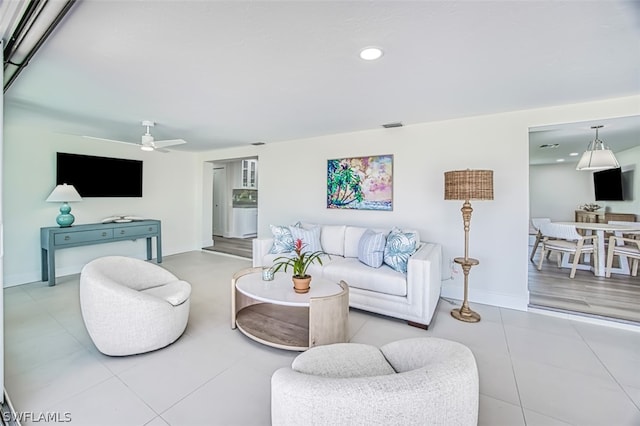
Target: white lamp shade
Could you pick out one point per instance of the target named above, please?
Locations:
(597, 160)
(64, 194)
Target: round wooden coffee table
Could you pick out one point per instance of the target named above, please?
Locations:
(272, 313)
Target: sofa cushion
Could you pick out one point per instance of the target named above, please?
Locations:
(400, 246)
(282, 239)
(175, 292)
(371, 248)
(343, 360)
(310, 238)
(357, 274)
(352, 237)
(332, 239)
(268, 259)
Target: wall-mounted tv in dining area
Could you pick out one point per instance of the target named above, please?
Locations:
(94, 176)
(607, 185)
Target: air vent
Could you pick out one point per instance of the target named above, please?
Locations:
(390, 125)
(257, 143)
(549, 145)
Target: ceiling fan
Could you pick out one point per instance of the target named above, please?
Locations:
(147, 142)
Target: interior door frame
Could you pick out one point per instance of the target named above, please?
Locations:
(219, 196)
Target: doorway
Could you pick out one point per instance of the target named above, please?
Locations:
(234, 205)
(556, 190)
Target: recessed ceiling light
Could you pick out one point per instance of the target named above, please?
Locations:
(371, 53)
(560, 160)
(574, 154)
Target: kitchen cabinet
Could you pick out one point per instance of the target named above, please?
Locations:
(245, 222)
(249, 174)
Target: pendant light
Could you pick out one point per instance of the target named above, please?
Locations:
(597, 156)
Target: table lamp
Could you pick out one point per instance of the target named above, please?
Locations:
(64, 194)
(467, 185)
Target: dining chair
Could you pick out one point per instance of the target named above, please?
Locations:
(564, 238)
(535, 224)
(627, 234)
(625, 248)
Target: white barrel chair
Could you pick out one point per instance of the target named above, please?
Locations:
(130, 306)
(420, 381)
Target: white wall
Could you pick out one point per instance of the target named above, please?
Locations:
(172, 193)
(292, 187)
(557, 190)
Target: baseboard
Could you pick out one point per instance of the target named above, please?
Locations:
(455, 291)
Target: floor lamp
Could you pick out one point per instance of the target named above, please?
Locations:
(467, 185)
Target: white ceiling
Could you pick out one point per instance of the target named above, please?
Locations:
(617, 134)
(230, 73)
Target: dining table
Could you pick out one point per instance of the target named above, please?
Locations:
(600, 257)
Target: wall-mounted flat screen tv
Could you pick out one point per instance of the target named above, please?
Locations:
(96, 176)
(607, 185)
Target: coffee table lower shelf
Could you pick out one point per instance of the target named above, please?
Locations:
(271, 313)
(284, 327)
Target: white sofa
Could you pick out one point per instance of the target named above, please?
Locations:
(420, 381)
(412, 296)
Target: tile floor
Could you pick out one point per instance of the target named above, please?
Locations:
(534, 369)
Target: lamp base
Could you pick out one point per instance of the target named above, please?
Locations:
(65, 218)
(466, 315)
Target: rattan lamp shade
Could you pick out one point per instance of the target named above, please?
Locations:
(468, 185)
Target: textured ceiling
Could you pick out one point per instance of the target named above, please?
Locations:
(230, 73)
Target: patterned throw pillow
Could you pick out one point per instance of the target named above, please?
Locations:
(282, 240)
(400, 246)
(310, 237)
(371, 248)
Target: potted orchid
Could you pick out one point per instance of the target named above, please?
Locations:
(299, 263)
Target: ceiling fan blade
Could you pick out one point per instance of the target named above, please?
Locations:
(169, 142)
(162, 150)
(111, 140)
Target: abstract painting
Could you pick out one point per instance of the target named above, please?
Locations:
(361, 183)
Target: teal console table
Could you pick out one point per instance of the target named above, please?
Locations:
(56, 238)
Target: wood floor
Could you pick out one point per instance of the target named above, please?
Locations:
(236, 246)
(617, 297)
